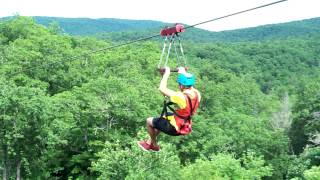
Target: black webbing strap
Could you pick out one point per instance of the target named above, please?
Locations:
(164, 109)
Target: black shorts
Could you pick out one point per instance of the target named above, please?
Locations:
(164, 125)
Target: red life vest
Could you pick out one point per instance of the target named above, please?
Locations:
(183, 116)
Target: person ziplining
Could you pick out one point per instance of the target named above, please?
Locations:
(185, 101)
(179, 121)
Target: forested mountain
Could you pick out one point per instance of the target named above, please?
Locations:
(67, 114)
(132, 29)
(86, 26)
(302, 28)
(121, 29)
(273, 31)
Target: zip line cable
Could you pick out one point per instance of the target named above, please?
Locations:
(236, 13)
(156, 35)
(115, 46)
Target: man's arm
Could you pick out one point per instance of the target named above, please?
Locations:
(163, 84)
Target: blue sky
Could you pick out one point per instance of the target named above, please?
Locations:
(182, 11)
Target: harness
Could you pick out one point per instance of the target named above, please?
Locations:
(168, 105)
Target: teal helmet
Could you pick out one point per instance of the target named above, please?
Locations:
(186, 79)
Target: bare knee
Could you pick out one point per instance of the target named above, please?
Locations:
(149, 121)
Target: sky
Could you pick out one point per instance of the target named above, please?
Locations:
(171, 11)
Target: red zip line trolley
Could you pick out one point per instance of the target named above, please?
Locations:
(171, 34)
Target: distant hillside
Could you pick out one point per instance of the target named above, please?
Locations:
(123, 30)
(266, 32)
(283, 30)
(87, 26)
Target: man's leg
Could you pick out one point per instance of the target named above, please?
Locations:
(153, 133)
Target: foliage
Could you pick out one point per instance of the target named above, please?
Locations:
(275, 65)
(312, 174)
(125, 160)
(306, 160)
(224, 166)
(306, 120)
(21, 126)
